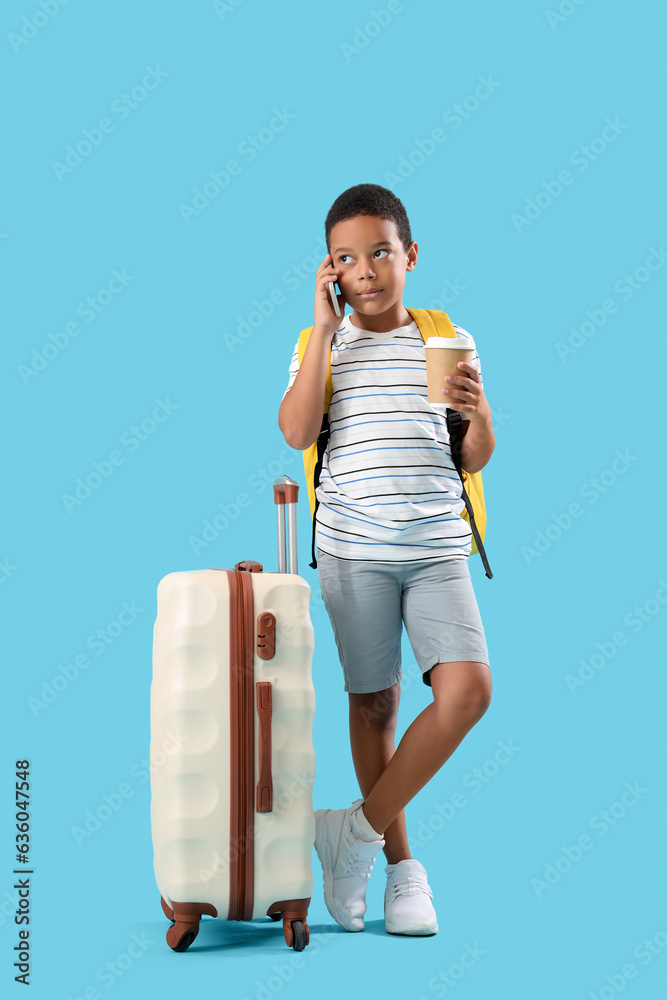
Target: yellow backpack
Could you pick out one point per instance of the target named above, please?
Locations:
(431, 323)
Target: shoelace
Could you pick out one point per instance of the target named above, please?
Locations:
(411, 886)
(356, 864)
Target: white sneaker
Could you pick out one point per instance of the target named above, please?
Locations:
(346, 862)
(407, 900)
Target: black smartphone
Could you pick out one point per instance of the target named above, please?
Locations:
(333, 289)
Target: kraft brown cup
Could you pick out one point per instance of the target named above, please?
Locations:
(442, 357)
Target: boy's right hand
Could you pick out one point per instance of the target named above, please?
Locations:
(325, 316)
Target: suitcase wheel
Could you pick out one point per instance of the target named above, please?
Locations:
(297, 930)
(181, 936)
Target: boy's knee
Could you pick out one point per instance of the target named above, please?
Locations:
(481, 699)
(472, 692)
(377, 708)
(479, 691)
(473, 701)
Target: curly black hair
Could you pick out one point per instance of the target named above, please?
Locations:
(369, 199)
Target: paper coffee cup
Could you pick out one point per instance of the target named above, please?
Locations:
(442, 357)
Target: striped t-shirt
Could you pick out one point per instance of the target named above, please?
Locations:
(388, 487)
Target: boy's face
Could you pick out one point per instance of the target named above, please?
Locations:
(369, 255)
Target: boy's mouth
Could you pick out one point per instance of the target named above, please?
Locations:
(371, 293)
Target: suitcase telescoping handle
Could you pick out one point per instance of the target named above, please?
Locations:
(285, 495)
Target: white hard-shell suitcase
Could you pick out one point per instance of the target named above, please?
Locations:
(233, 765)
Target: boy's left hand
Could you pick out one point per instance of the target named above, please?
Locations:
(464, 392)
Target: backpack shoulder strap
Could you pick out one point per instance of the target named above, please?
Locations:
(312, 456)
(432, 323)
(304, 337)
(436, 323)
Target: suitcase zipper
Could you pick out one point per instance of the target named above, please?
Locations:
(243, 746)
(248, 814)
(242, 732)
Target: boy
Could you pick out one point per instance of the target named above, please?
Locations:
(391, 547)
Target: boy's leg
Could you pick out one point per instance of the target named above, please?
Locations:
(363, 601)
(461, 695)
(373, 720)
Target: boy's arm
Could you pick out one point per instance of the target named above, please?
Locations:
(478, 443)
(465, 393)
(300, 413)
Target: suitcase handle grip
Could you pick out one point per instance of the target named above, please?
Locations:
(264, 712)
(285, 490)
(285, 496)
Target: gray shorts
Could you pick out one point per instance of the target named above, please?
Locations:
(368, 601)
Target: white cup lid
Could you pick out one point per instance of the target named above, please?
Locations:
(460, 343)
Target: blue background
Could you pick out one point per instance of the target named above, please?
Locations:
(206, 321)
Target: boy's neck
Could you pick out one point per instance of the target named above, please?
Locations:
(384, 322)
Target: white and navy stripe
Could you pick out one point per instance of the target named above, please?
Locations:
(388, 488)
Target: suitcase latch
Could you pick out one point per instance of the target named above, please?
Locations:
(266, 635)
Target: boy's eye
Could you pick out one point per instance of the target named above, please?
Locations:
(347, 254)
